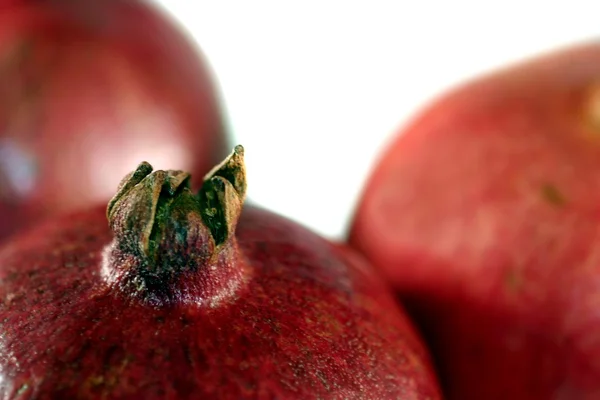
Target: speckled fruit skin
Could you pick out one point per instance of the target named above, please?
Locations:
(310, 321)
(485, 214)
(87, 89)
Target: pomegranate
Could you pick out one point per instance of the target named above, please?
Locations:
(186, 296)
(88, 88)
(484, 214)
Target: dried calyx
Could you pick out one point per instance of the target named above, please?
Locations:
(165, 231)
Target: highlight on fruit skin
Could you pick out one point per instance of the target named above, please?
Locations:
(87, 89)
(483, 212)
(188, 294)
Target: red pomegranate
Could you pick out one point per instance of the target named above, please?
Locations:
(485, 214)
(87, 89)
(180, 300)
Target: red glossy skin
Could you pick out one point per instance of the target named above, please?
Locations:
(313, 321)
(485, 214)
(87, 89)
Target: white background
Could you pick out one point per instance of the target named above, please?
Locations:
(314, 89)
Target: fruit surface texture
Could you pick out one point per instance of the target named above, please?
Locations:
(185, 296)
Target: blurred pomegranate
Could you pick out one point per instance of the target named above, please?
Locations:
(484, 214)
(87, 89)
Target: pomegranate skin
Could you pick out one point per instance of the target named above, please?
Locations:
(312, 322)
(484, 214)
(87, 89)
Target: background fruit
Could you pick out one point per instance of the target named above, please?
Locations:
(173, 305)
(87, 89)
(485, 215)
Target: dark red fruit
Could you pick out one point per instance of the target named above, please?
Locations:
(172, 305)
(87, 89)
(485, 213)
